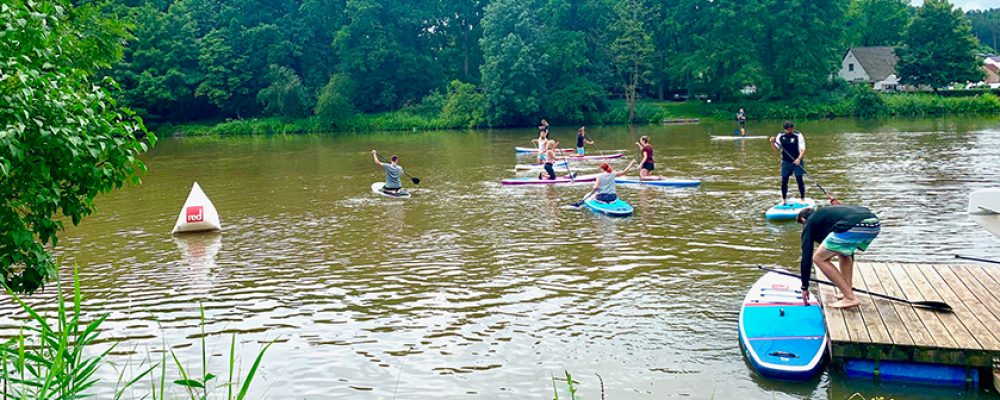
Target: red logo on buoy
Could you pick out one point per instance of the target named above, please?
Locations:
(195, 214)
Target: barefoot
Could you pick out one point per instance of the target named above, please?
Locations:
(846, 303)
(838, 296)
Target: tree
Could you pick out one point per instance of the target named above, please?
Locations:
(799, 45)
(464, 105)
(631, 48)
(877, 22)
(512, 79)
(986, 26)
(334, 106)
(285, 96)
(63, 139)
(938, 47)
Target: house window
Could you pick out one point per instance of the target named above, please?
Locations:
(850, 67)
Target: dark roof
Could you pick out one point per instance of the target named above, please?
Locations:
(879, 62)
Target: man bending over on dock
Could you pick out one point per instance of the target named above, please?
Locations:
(842, 230)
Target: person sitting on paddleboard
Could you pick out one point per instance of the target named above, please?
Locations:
(792, 146)
(548, 157)
(741, 119)
(646, 165)
(581, 140)
(843, 230)
(604, 186)
(392, 173)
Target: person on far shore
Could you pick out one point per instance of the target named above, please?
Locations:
(392, 173)
(792, 146)
(843, 230)
(604, 186)
(581, 140)
(741, 119)
(646, 166)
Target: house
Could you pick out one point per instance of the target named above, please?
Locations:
(992, 73)
(874, 66)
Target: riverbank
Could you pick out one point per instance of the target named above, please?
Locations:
(845, 104)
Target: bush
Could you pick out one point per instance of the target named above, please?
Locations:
(334, 107)
(464, 106)
(867, 103)
(580, 101)
(285, 96)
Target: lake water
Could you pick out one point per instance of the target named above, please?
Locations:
(474, 290)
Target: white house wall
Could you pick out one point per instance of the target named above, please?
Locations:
(858, 75)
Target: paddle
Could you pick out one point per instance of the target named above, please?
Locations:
(416, 181)
(931, 305)
(833, 200)
(580, 203)
(977, 259)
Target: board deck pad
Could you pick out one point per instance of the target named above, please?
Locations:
(782, 337)
(790, 210)
(377, 188)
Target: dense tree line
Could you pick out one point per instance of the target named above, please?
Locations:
(516, 60)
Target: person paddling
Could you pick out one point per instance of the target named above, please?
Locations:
(792, 146)
(646, 165)
(392, 173)
(741, 120)
(843, 230)
(581, 140)
(604, 186)
(542, 142)
(548, 157)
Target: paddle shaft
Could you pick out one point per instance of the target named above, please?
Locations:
(977, 259)
(416, 181)
(833, 200)
(943, 306)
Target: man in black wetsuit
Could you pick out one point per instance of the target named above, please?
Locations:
(842, 230)
(792, 146)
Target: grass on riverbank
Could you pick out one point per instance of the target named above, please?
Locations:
(856, 102)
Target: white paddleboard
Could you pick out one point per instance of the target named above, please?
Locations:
(732, 137)
(377, 188)
(198, 213)
(984, 202)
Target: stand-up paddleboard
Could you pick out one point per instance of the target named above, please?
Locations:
(658, 181)
(594, 157)
(737, 137)
(198, 213)
(617, 208)
(782, 337)
(557, 181)
(377, 188)
(520, 149)
(790, 210)
(533, 166)
(984, 202)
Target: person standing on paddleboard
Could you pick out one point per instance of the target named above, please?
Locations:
(646, 165)
(581, 140)
(542, 142)
(392, 173)
(741, 120)
(843, 230)
(792, 146)
(604, 186)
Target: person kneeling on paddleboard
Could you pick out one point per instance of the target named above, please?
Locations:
(646, 166)
(548, 157)
(392, 173)
(843, 230)
(604, 186)
(792, 146)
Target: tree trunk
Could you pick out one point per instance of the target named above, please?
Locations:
(631, 108)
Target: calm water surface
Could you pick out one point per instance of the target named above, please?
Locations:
(473, 290)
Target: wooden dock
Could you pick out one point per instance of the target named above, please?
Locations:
(670, 121)
(893, 331)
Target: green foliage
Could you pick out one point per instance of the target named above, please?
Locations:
(285, 96)
(631, 46)
(986, 27)
(334, 107)
(867, 103)
(938, 47)
(464, 106)
(579, 102)
(63, 138)
(512, 70)
(877, 22)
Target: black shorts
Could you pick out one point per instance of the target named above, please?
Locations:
(606, 197)
(788, 168)
(648, 166)
(550, 171)
(743, 124)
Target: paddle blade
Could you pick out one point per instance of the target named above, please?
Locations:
(416, 181)
(933, 305)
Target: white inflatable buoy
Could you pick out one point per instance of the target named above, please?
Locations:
(198, 213)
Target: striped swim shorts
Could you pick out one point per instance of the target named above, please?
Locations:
(859, 237)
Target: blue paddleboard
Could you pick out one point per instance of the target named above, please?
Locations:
(789, 210)
(617, 208)
(658, 181)
(782, 337)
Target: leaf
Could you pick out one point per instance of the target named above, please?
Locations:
(191, 383)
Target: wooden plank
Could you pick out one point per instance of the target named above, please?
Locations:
(963, 336)
(966, 307)
(918, 331)
(852, 318)
(873, 321)
(994, 272)
(942, 336)
(988, 308)
(836, 327)
(982, 286)
(886, 308)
